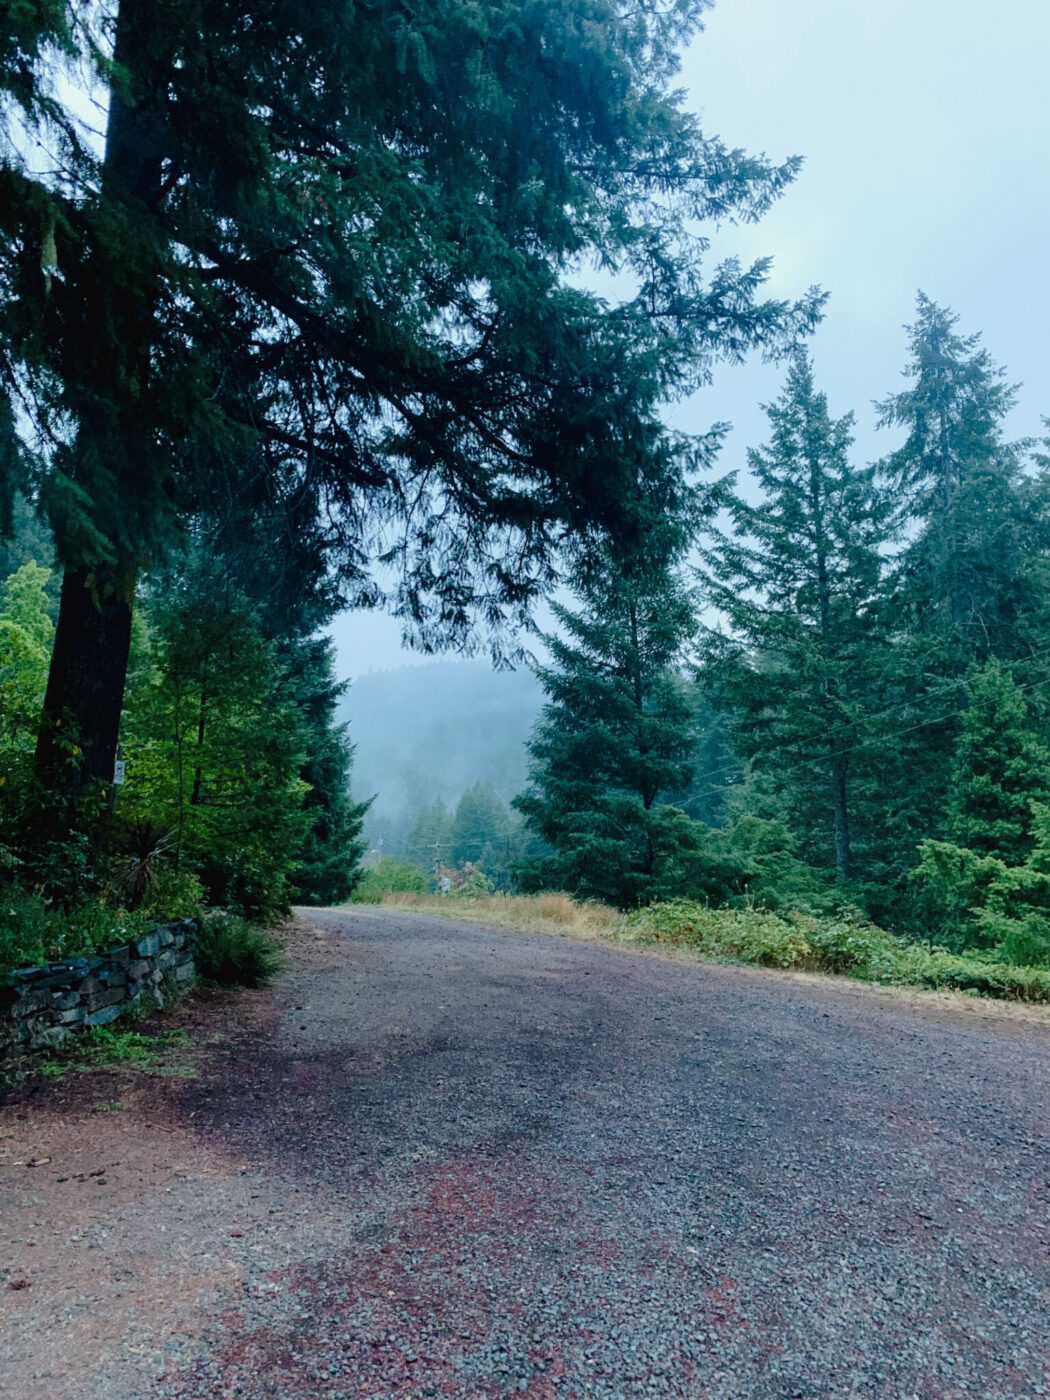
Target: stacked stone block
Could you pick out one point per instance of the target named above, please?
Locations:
(43, 1007)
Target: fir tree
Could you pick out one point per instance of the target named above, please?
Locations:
(1000, 768)
(336, 242)
(972, 575)
(480, 825)
(328, 860)
(970, 584)
(429, 839)
(799, 584)
(615, 742)
(992, 866)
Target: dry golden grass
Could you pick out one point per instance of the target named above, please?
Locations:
(543, 913)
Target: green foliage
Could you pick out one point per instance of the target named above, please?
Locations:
(234, 953)
(327, 862)
(952, 883)
(33, 932)
(745, 936)
(990, 886)
(389, 876)
(331, 318)
(25, 930)
(614, 742)
(799, 583)
(477, 885)
(172, 894)
(429, 839)
(25, 642)
(999, 769)
(843, 945)
(972, 575)
(770, 874)
(215, 747)
(480, 826)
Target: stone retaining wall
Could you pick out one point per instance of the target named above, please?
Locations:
(45, 1006)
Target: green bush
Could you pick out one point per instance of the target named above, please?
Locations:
(389, 876)
(173, 894)
(477, 885)
(844, 945)
(233, 953)
(24, 933)
(32, 933)
(748, 936)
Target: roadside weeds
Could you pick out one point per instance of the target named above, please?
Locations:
(557, 915)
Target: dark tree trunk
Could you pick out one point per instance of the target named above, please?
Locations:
(841, 818)
(77, 745)
(85, 687)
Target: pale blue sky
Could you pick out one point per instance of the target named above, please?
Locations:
(925, 127)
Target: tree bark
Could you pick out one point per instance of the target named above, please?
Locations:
(85, 687)
(77, 745)
(840, 813)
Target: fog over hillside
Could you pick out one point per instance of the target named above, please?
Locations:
(428, 731)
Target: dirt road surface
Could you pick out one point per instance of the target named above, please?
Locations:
(443, 1160)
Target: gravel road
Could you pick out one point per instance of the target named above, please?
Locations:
(444, 1160)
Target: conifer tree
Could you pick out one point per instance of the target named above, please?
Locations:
(480, 824)
(799, 585)
(336, 240)
(971, 583)
(327, 867)
(972, 575)
(1000, 768)
(429, 839)
(615, 741)
(994, 855)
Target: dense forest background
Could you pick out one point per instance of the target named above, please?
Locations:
(832, 698)
(269, 355)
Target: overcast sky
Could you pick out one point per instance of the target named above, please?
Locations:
(925, 128)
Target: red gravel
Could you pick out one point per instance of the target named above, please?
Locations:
(451, 1161)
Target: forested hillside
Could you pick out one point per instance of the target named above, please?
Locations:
(427, 733)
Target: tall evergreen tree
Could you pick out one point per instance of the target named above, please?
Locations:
(614, 743)
(799, 584)
(338, 239)
(480, 825)
(971, 583)
(429, 839)
(999, 769)
(972, 575)
(215, 743)
(988, 880)
(327, 867)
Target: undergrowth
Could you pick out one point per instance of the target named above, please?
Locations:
(234, 953)
(845, 946)
(106, 1047)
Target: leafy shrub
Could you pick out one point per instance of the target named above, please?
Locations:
(32, 933)
(846, 945)
(936, 967)
(389, 876)
(854, 947)
(746, 935)
(94, 926)
(477, 885)
(173, 894)
(233, 953)
(24, 936)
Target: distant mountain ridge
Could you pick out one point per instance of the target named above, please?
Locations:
(430, 731)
